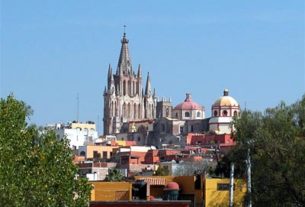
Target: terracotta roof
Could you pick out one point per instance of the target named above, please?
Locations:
(188, 104)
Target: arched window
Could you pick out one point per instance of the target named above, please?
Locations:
(177, 115)
(128, 111)
(82, 153)
(187, 114)
(124, 88)
(198, 114)
(167, 112)
(225, 113)
(135, 110)
(124, 110)
(129, 88)
(235, 113)
(139, 111)
(215, 113)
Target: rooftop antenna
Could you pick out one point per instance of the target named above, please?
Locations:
(77, 107)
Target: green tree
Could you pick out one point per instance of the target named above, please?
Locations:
(114, 175)
(162, 171)
(36, 169)
(276, 139)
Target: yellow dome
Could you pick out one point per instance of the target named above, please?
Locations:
(226, 100)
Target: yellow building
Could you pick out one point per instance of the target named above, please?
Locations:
(111, 191)
(208, 192)
(217, 192)
(86, 126)
(97, 151)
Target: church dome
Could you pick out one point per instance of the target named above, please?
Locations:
(188, 104)
(226, 100)
(172, 186)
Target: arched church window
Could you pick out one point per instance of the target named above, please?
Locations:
(235, 113)
(139, 111)
(187, 114)
(124, 88)
(215, 113)
(225, 113)
(128, 111)
(124, 110)
(167, 112)
(198, 114)
(135, 110)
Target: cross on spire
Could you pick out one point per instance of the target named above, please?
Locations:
(124, 28)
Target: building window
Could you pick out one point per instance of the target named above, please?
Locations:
(235, 113)
(225, 113)
(187, 114)
(215, 113)
(224, 186)
(177, 115)
(82, 153)
(167, 112)
(198, 114)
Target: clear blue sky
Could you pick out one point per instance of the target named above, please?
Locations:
(52, 50)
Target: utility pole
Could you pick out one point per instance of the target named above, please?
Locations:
(231, 185)
(248, 162)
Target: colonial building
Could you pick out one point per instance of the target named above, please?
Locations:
(124, 98)
(223, 111)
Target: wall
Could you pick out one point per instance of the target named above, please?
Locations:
(111, 191)
(216, 197)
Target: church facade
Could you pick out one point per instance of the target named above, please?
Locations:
(124, 97)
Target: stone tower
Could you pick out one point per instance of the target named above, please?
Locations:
(124, 98)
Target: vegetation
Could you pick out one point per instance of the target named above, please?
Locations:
(36, 169)
(276, 140)
(114, 175)
(162, 171)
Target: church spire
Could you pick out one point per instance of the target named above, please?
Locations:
(139, 75)
(148, 86)
(124, 64)
(110, 76)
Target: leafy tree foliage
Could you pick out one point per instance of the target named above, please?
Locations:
(36, 169)
(277, 143)
(162, 171)
(114, 175)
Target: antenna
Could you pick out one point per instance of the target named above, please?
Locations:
(124, 28)
(77, 107)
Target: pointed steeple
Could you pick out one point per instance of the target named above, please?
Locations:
(109, 76)
(105, 91)
(148, 86)
(154, 93)
(139, 74)
(124, 64)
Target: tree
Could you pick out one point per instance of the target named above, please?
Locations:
(36, 169)
(162, 171)
(114, 175)
(276, 140)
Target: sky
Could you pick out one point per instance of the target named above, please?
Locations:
(53, 51)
